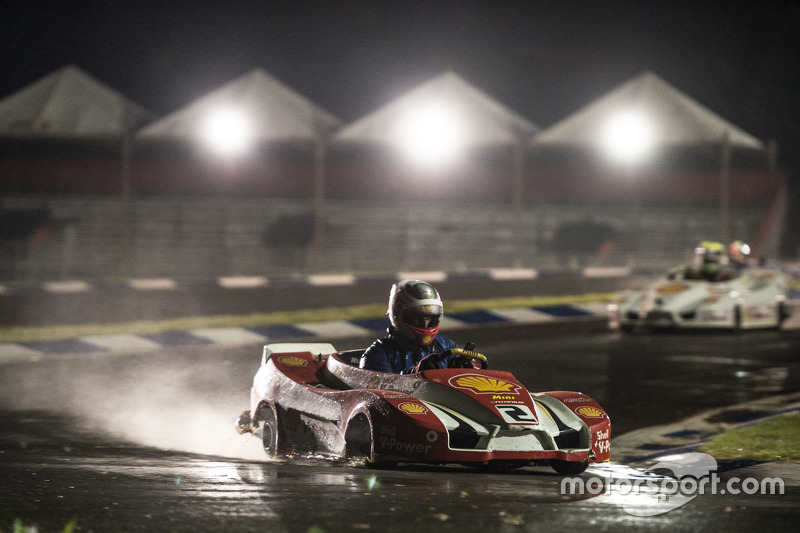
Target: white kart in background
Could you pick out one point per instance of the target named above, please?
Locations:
(752, 298)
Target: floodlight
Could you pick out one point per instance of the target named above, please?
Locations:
(227, 131)
(432, 134)
(629, 136)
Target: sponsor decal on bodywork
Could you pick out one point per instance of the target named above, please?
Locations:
(483, 384)
(709, 315)
(602, 441)
(503, 398)
(293, 361)
(413, 408)
(672, 288)
(756, 313)
(517, 414)
(590, 412)
(392, 444)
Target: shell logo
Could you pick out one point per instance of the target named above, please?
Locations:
(591, 412)
(713, 296)
(673, 288)
(413, 408)
(293, 361)
(483, 384)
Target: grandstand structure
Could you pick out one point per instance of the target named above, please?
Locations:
(92, 186)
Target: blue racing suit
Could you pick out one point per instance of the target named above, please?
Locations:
(393, 355)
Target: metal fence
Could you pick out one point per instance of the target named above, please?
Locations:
(202, 237)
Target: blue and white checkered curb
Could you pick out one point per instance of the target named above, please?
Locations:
(130, 343)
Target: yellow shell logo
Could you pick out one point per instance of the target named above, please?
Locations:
(413, 408)
(481, 384)
(293, 361)
(674, 288)
(592, 412)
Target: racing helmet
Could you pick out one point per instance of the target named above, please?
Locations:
(415, 309)
(739, 251)
(709, 257)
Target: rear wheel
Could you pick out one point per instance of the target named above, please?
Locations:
(271, 436)
(569, 468)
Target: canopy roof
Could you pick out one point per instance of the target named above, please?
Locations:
(273, 111)
(675, 119)
(68, 103)
(482, 120)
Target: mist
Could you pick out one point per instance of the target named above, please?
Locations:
(180, 399)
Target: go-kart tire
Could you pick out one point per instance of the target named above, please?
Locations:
(783, 313)
(737, 319)
(358, 438)
(569, 468)
(271, 436)
(358, 444)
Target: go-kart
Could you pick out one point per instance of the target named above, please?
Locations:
(753, 298)
(309, 399)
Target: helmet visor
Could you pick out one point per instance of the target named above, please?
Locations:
(423, 318)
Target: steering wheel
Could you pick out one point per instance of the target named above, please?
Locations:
(468, 359)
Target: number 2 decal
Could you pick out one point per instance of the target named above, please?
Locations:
(517, 414)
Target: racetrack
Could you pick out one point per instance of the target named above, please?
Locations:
(146, 442)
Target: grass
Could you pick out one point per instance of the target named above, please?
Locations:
(20, 527)
(358, 312)
(776, 439)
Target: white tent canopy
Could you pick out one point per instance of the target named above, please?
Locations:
(68, 103)
(673, 118)
(273, 112)
(482, 120)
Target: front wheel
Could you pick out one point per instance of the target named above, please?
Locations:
(358, 444)
(783, 311)
(569, 468)
(358, 438)
(737, 318)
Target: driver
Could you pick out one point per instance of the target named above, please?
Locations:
(415, 309)
(739, 253)
(710, 263)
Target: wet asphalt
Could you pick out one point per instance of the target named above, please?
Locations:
(145, 442)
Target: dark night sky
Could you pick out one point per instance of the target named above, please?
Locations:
(544, 59)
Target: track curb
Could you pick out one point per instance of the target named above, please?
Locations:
(647, 446)
(122, 343)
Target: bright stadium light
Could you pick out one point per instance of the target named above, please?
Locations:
(227, 131)
(628, 136)
(431, 135)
